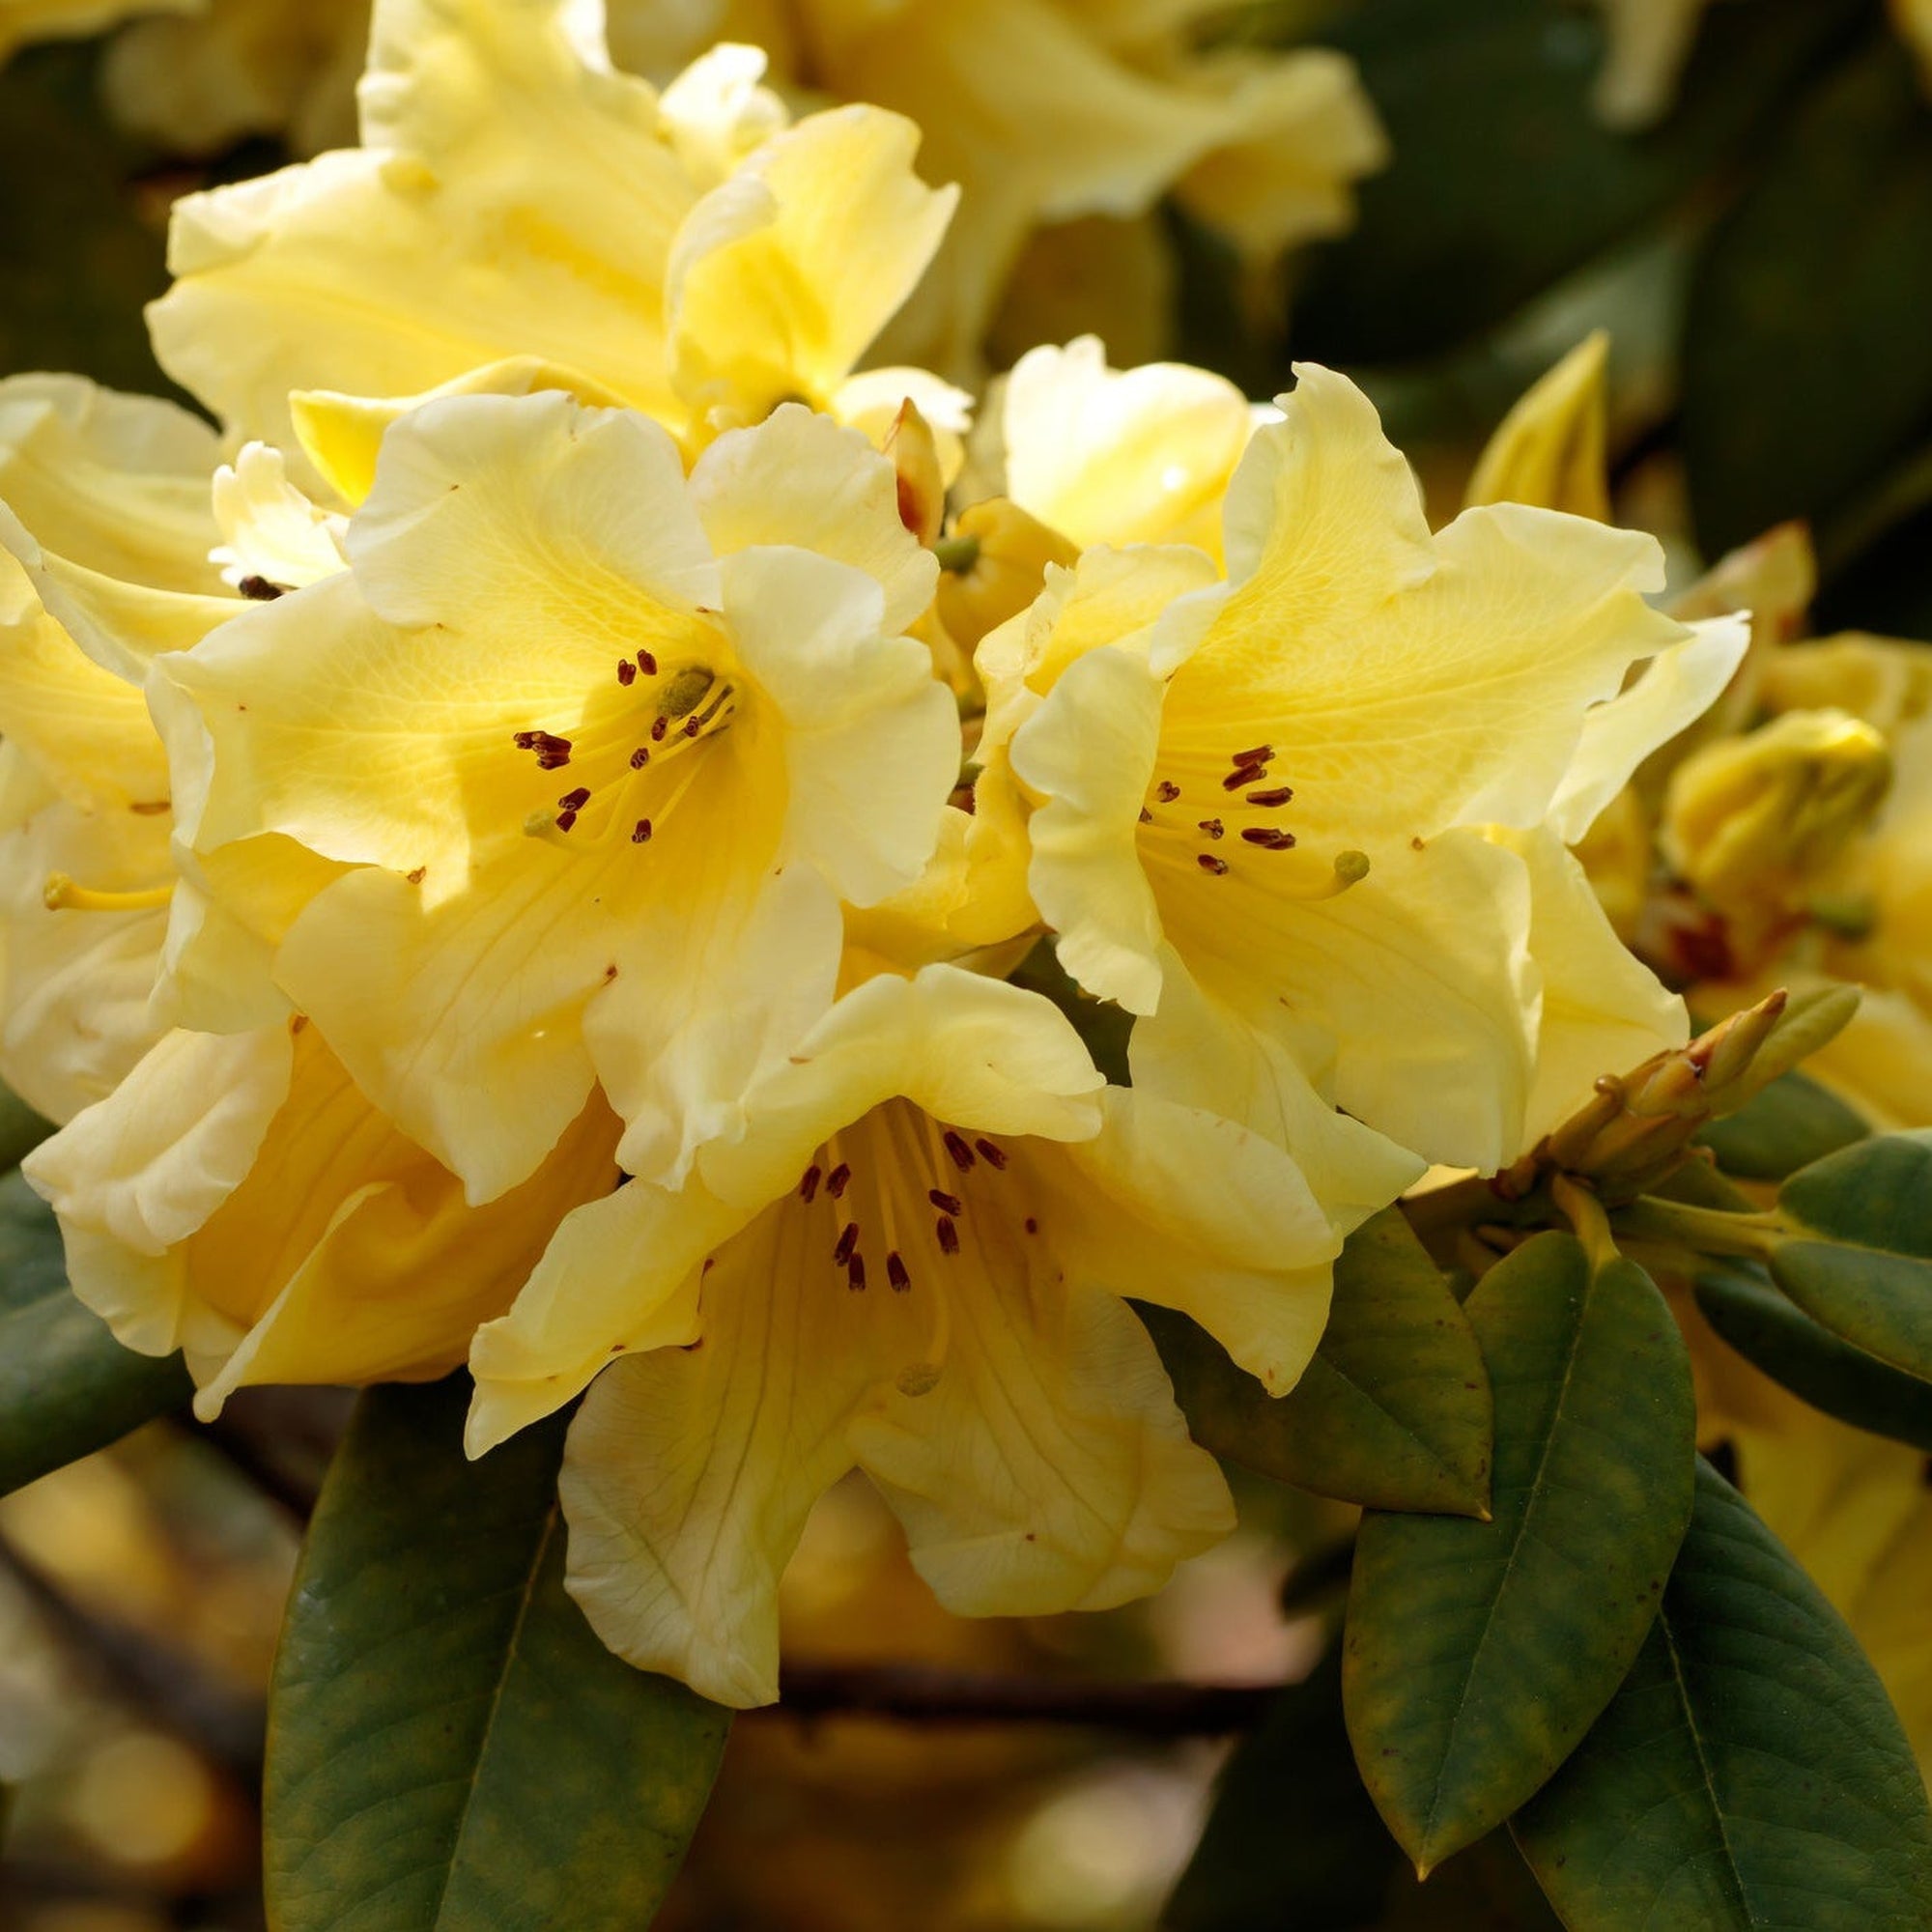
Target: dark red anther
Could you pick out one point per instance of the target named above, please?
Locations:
(946, 1204)
(640, 758)
(1032, 1226)
(525, 740)
(1167, 791)
(575, 801)
(1269, 839)
(962, 1154)
(1213, 827)
(640, 833)
(949, 1236)
(1208, 862)
(855, 1274)
(993, 1156)
(565, 820)
(1280, 795)
(1244, 775)
(809, 1186)
(835, 1181)
(896, 1273)
(847, 1241)
(658, 727)
(1258, 756)
(627, 671)
(647, 664)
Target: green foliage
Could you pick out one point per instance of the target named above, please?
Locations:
(1861, 1262)
(1750, 1772)
(450, 1745)
(1814, 1364)
(1807, 365)
(1478, 1653)
(1394, 1411)
(1793, 1123)
(1503, 181)
(67, 1386)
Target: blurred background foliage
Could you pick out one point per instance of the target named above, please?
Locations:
(1762, 258)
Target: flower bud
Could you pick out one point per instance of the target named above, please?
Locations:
(995, 565)
(1750, 822)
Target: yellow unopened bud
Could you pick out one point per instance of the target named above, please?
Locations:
(1750, 822)
(995, 564)
(1548, 450)
(1887, 683)
(915, 453)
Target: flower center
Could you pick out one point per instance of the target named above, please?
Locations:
(628, 776)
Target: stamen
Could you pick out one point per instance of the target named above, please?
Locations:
(627, 673)
(809, 1186)
(565, 819)
(1280, 795)
(60, 894)
(847, 1241)
(1146, 817)
(575, 801)
(949, 1235)
(1167, 791)
(1032, 1226)
(1244, 775)
(962, 1154)
(259, 590)
(994, 1157)
(835, 1181)
(946, 1204)
(647, 664)
(1260, 754)
(1208, 862)
(640, 833)
(1269, 839)
(659, 726)
(896, 1273)
(1213, 827)
(855, 1274)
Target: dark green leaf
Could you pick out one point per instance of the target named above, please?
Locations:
(67, 1386)
(1793, 1123)
(449, 1745)
(1775, 1335)
(1293, 1839)
(1504, 180)
(1869, 1278)
(22, 1129)
(1807, 362)
(1394, 1411)
(1478, 1653)
(1751, 1773)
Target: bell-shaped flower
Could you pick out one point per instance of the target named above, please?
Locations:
(911, 1263)
(237, 1198)
(107, 529)
(1048, 111)
(576, 764)
(514, 196)
(1302, 786)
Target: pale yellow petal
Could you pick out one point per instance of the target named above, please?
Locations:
(1549, 449)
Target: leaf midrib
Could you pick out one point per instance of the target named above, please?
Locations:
(511, 1646)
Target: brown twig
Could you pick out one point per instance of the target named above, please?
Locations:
(916, 1694)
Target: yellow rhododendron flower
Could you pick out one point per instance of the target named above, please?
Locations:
(1308, 787)
(911, 1263)
(591, 755)
(1048, 111)
(237, 1197)
(1123, 456)
(119, 486)
(514, 196)
(1549, 449)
